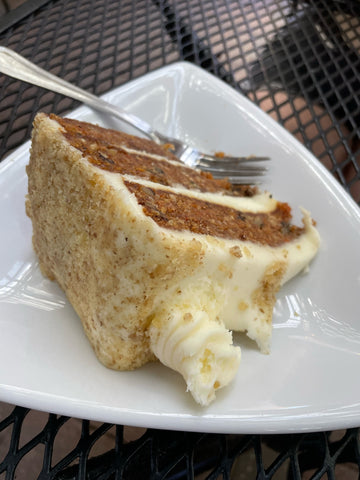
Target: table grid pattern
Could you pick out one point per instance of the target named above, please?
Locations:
(161, 454)
(300, 62)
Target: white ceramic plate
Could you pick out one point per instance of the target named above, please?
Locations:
(311, 379)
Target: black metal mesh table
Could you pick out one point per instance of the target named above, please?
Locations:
(300, 62)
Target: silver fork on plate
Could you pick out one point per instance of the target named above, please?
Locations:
(239, 170)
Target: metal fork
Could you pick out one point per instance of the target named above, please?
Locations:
(239, 170)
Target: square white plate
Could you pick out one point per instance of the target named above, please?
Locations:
(311, 379)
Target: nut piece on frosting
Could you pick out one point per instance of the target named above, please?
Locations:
(159, 261)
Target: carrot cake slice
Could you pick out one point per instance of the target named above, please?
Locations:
(159, 260)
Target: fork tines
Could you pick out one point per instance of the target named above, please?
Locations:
(239, 170)
(208, 161)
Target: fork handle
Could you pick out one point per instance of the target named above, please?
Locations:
(16, 66)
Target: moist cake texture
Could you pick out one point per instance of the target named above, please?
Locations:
(160, 261)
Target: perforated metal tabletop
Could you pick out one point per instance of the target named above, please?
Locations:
(300, 62)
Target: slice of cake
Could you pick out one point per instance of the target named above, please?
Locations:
(158, 260)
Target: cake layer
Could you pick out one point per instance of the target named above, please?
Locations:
(181, 212)
(117, 152)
